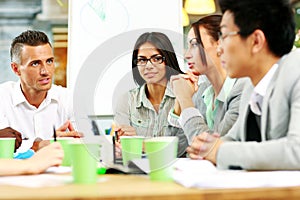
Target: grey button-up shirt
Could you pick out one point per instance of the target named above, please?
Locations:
(135, 109)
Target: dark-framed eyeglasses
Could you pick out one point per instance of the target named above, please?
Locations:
(222, 36)
(154, 60)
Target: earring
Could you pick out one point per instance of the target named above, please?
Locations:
(218, 52)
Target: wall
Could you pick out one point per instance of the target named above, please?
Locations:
(15, 17)
(48, 16)
(101, 62)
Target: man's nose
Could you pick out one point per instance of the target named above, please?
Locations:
(44, 70)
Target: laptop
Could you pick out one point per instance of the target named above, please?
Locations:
(109, 157)
(101, 124)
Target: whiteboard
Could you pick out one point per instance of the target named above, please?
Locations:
(102, 34)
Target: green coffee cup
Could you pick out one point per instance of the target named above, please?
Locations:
(132, 147)
(7, 147)
(161, 152)
(84, 164)
(64, 141)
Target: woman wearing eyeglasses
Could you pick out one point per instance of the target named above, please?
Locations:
(143, 111)
(212, 108)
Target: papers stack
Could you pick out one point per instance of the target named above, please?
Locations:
(203, 174)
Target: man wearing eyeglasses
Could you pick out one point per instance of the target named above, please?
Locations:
(255, 41)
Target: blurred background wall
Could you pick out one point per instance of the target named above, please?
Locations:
(51, 16)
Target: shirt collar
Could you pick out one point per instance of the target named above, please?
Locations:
(262, 85)
(19, 98)
(169, 91)
(227, 86)
(225, 90)
(142, 96)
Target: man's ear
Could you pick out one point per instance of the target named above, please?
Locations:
(259, 41)
(15, 68)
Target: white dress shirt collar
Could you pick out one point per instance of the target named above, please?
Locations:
(18, 96)
(260, 89)
(262, 85)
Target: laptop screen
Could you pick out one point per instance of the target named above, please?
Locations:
(101, 124)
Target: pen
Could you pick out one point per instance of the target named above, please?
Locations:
(116, 136)
(54, 133)
(114, 149)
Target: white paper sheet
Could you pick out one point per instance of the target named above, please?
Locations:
(41, 180)
(51, 178)
(59, 170)
(202, 174)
